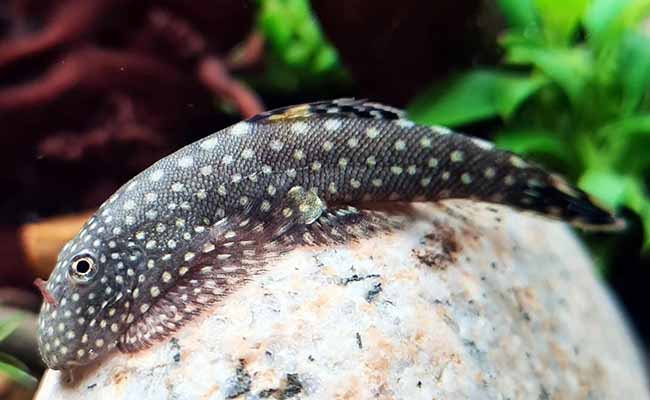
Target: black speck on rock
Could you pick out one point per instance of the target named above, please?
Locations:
(290, 387)
(294, 386)
(374, 292)
(240, 383)
(176, 349)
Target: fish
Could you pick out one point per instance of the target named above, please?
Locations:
(201, 222)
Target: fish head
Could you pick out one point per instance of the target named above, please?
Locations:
(86, 307)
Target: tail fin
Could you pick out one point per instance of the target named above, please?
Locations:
(560, 199)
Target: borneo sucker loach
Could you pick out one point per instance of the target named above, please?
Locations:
(197, 224)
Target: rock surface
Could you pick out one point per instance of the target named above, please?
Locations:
(466, 302)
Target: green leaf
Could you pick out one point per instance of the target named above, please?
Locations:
(605, 20)
(609, 20)
(628, 142)
(299, 56)
(534, 143)
(570, 69)
(560, 20)
(607, 186)
(18, 375)
(634, 69)
(637, 199)
(474, 96)
(621, 129)
(617, 190)
(520, 14)
(645, 217)
(9, 325)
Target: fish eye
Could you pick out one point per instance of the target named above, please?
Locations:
(82, 268)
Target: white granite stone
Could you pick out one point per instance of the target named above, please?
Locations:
(477, 302)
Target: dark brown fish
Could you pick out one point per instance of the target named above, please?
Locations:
(200, 222)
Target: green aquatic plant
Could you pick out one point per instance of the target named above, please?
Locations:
(299, 56)
(573, 91)
(10, 366)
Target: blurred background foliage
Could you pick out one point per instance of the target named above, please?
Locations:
(572, 90)
(299, 58)
(565, 83)
(11, 366)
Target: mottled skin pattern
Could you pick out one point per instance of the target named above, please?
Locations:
(200, 222)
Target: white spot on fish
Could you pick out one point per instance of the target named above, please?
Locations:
(227, 159)
(247, 153)
(327, 145)
(483, 144)
(186, 162)
(240, 129)
(404, 123)
(208, 247)
(209, 144)
(276, 145)
(332, 124)
(372, 132)
(207, 170)
(150, 197)
(457, 156)
(177, 187)
(299, 127)
(441, 130)
(151, 214)
(517, 162)
(157, 175)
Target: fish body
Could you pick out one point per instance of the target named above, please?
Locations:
(188, 230)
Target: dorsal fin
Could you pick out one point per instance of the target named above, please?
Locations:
(347, 107)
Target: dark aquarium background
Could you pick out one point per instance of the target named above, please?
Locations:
(94, 91)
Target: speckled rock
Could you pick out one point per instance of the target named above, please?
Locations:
(468, 301)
